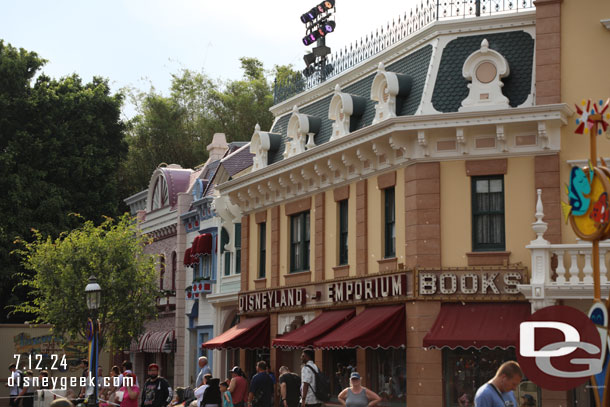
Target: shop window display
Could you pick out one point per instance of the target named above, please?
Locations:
(338, 365)
(387, 375)
(467, 369)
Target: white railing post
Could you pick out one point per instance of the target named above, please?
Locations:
(540, 249)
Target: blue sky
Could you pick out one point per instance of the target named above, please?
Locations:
(140, 43)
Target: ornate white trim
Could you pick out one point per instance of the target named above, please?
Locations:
(485, 68)
(297, 134)
(384, 90)
(395, 142)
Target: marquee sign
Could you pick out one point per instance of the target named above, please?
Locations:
(470, 284)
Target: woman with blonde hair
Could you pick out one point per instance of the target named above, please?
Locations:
(357, 396)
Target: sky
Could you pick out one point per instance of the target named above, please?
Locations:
(140, 43)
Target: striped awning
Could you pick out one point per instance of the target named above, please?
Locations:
(152, 341)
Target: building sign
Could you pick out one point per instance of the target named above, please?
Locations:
(48, 345)
(469, 284)
(368, 289)
(267, 300)
(353, 290)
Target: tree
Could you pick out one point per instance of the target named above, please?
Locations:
(60, 268)
(61, 144)
(177, 129)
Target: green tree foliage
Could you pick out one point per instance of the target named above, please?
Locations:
(61, 144)
(60, 268)
(176, 129)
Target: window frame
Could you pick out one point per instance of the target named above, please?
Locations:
(237, 244)
(303, 219)
(389, 223)
(476, 245)
(343, 232)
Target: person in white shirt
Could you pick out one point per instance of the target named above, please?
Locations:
(201, 389)
(308, 380)
(14, 389)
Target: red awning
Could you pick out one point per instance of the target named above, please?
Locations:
(477, 325)
(376, 327)
(187, 257)
(305, 336)
(252, 333)
(202, 244)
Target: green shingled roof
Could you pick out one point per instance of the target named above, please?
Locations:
(451, 88)
(415, 65)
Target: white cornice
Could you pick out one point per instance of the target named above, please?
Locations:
(321, 153)
(606, 23)
(404, 47)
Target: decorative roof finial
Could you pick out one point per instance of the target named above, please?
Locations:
(484, 45)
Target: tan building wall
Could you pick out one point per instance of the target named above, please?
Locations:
(584, 69)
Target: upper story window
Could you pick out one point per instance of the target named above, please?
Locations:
(262, 253)
(160, 197)
(299, 242)
(389, 223)
(343, 232)
(237, 248)
(488, 213)
(161, 271)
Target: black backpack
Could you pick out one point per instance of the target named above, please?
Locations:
(322, 386)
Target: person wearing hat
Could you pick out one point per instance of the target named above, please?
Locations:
(238, 387)
(357, 396)
(156, 391)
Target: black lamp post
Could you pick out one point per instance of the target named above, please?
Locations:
(93, 293)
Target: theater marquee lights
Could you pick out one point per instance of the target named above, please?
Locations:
(318, 24)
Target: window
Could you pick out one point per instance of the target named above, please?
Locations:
(388, 373)
(343, 219)
(174, 262)
(262, 239)
(389, 223)
(465, 370)
(488, 213)
(160, 194)
(161, 271)
(299, 242)
(227, 263)
(237, 248)
(206, 266)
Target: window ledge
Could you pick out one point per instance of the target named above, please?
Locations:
(341, 271)
(488, 258)
(299, 277)
(260, 283)
(389, 264)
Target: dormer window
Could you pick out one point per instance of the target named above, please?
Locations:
(261, 144)
(342, 107)
(485, 69)
(160, 194)
(387, 86)
(301, 131)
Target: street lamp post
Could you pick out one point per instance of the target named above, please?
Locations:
(93, 293)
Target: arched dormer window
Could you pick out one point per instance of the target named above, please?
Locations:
(342, 107)
(485, 68)
(301, 130)
(160, 196)
(261, 144)
(387, 86)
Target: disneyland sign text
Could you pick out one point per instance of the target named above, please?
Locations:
(267, 300)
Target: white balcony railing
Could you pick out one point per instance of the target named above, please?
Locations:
(562, 271)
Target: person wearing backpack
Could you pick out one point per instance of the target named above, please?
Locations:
(308, 380)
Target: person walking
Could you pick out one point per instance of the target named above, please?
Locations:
(155, 392)
(28, 391)
(199, 391)
(238, 387)
(204, 369)
(14, 390)
(261, 387)
(308, 379)
(290, 388)
(357, 396)
(498, 392)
